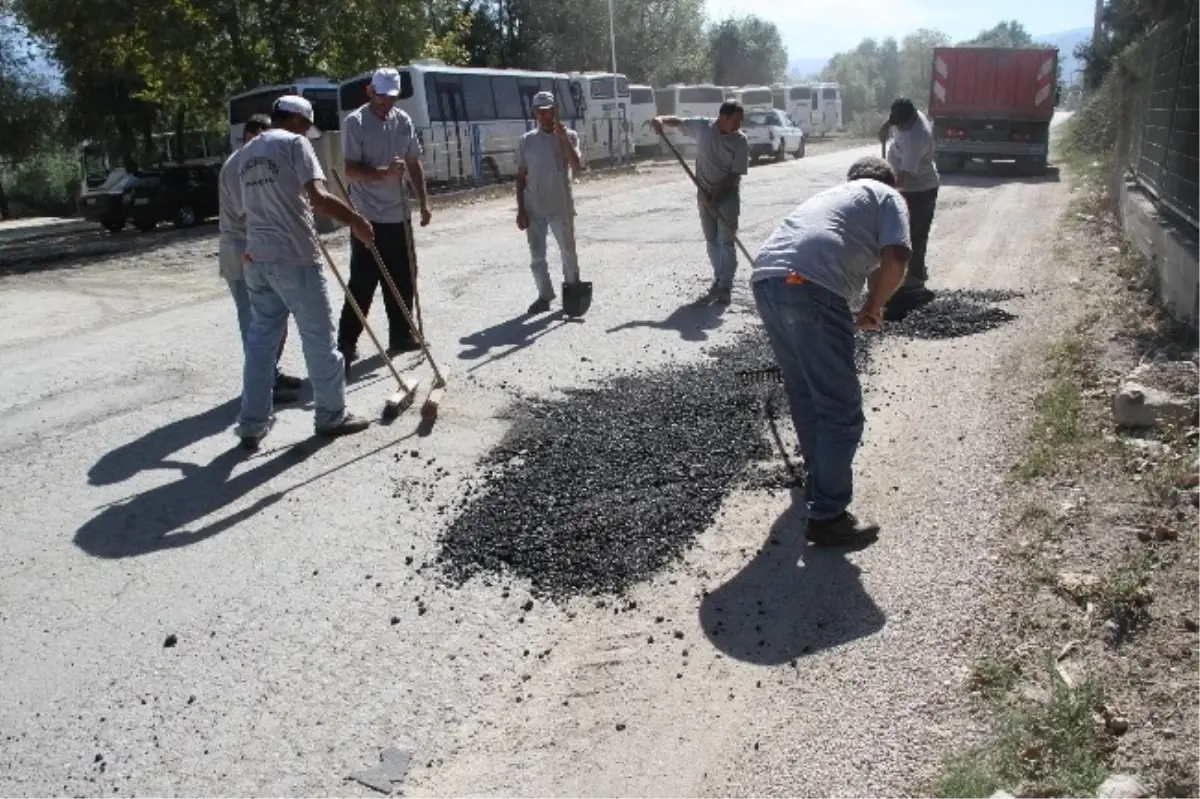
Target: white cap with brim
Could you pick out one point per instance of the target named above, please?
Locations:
(386, 82)
(294, 104)
(543, 100)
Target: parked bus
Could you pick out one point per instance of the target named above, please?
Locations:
(826, 108)
(797, 102)
(642, 109)
(753, 97)
(321, 92)
(468, 119)
(681, 100)
(603, 105)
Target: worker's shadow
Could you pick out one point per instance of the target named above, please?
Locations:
(691, 321)
(515, 334)
(152, 450)
(158, 519)
(790, 601)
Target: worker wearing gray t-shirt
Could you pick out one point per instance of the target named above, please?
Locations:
(722, 158)
(544, 203)
(382, 156)
(805, 279)
(281, 183)
(912, 156)
(232, 246)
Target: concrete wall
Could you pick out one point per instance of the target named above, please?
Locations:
(1170, 246)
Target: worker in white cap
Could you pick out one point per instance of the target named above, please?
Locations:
(544, 156)
(281, 184)
(379, 146)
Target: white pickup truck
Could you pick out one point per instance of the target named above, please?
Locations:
(772, 132)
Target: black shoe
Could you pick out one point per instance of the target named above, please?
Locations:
(843, 530)
(905, 301)
(402, 347)
(288, 381)
(251, 443)
(724, 296)
(348, 426)
(282, 396)
(540, 305)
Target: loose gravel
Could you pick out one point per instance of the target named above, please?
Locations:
(595, 492)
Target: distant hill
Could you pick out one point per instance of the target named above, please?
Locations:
(1065, 42)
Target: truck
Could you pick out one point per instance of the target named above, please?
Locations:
(771, 133)
(993, 104)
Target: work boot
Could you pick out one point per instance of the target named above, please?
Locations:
(709, 296)
(349, 425)
(540, 305)
(409, 345)
(845, 529)
(724, 296)
(251, 443)
(288, 381)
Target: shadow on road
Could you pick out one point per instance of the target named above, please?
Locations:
(42, 251)
(986, 176)
(690, 321)
(152, 521)
(516, 334)
(151, 451)
(778, 608)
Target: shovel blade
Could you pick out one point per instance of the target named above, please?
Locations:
(576, 298)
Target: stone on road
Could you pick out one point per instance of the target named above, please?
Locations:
(324, 596)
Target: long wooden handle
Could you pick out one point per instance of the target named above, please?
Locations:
(711, 205)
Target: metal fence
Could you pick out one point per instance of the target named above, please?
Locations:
(1166, 135)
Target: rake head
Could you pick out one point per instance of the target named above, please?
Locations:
(766, 374)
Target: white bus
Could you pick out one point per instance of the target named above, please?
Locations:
(703, 100)
(468, 119)
(826, 108)
(756, 98)
(796, 102)
(642, 109)
(603, 106)
(321, 92)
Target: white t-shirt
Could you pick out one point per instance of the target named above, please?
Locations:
(913, 151)
(273, 170)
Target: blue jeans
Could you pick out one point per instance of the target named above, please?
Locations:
(241, 299)
(539, 226)
(811, 330)
(722, 253)
(276, 289)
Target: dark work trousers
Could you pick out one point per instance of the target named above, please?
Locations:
(921, 205)
(365, 278)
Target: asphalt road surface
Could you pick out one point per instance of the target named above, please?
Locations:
(180, 619)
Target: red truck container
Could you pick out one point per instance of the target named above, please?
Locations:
(993, 104)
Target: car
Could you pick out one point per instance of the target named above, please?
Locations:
(183, 195)
(772, 133)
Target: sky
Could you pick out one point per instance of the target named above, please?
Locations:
(821, 28)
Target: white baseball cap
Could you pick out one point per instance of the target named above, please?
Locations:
(543, 100)
(386, 82)
(295, 104)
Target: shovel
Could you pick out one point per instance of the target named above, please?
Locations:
(577, 296)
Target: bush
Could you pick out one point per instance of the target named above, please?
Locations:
(866, 124)
(46, 184)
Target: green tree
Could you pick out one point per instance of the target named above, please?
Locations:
(1006, 34)
(746, 51)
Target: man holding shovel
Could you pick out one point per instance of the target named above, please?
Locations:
(722, 158)
(544, 156)
(379, 146)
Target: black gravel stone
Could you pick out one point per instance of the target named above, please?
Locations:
(171, 641)
(596, 491)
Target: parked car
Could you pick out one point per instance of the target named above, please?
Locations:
(183, 195)
(772, 133)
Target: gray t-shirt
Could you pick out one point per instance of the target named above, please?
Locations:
(374, 143)
(913, 151)
(834, 237)
(232, 221)
(273, 170)
(540, 155)
(718, 155)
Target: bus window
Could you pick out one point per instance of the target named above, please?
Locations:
(354, 95)
(325, 108)
(528, 87)
(758, 97)
(800, 93)
(642, 97)
(445, 97)
(664, 100)
(815, 98)
(477, 98)
(566, 99)
(602, 89)
(242, 108)
(829, 94)
(702, 94)
(508, 99)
